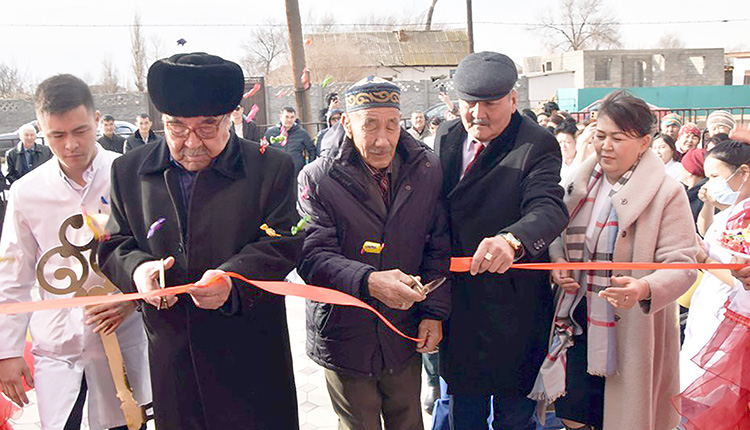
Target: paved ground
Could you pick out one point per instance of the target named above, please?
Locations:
(315, 412)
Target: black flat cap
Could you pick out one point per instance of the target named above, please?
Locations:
(485, 76)
(196, 84)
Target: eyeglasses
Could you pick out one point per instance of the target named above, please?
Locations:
(203, 131)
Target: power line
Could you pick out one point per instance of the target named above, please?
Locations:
(388, 25)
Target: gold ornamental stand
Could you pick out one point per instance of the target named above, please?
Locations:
(134, 415)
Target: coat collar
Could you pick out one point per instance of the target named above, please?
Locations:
(228, 163)
(633, 198)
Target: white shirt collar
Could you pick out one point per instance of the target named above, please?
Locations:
(88, 174)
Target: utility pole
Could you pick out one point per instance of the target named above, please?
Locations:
(470, 26)
(298, 63)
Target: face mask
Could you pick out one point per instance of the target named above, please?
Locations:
(722, 192)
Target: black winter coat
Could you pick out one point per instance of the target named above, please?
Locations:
(135, 140)
(211, 369)
(497, 335)
(17, 166)
(299, 145)
(114, 144)
(346, 211)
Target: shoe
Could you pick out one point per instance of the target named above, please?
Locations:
(433, 393)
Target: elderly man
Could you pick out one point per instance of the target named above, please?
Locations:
(376, 223)
(27, 155)
(505, 205)
(220, 356)
(418, 129)
(292, 138)
(110, 140)
(69, 357)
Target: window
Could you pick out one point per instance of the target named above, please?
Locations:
(746, 81)
(547, 67)
(639, 74)
(601, 69)
(699, 63)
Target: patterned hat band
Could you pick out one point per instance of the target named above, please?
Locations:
(372, 92)
(373, 99)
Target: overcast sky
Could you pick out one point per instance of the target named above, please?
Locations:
(32, 40)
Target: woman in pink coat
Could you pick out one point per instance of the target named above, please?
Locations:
(614, 347)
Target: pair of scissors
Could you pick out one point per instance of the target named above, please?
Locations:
(163, 304)
(428, 287)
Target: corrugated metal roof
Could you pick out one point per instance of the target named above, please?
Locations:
(396, 48)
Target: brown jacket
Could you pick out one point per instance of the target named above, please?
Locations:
(655, 225)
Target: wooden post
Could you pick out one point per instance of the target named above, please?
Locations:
(296, 47)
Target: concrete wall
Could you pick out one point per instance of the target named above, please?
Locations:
(669, 67)
(545, 86)
(123, 106)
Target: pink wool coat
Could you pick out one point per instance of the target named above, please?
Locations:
(655, 225)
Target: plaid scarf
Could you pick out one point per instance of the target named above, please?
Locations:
(601, 348)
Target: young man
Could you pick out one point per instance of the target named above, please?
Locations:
(298, 143)
(110, 140)
(69, 357)
(143, 135)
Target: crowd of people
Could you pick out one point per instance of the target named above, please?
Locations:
(378, 211)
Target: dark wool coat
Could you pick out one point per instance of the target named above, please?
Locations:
(347, 210)
(17, 165)
(115, 144)
(298, 144)
(135, 140)
(211, 369)
(498, 330)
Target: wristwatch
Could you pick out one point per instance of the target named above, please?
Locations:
(514, 243)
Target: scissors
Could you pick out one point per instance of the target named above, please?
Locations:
(430, 286)
(163, 304)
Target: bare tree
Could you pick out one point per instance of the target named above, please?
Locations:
(265, 48)
(138, 50)
(109, 82)
(157, 49)
(430, 11)
(670, 41)
(11, 82)
(579, 24)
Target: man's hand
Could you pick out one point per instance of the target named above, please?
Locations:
(585, 142)
(494, 254)
(394, 288)
(741, 133)
(564, 278)
(742, 275)
(626, 291)
(109, 316)
(11, 371)
(211, 295)
(432, 333)
(146, 278)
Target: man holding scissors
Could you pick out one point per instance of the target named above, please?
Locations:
(220, 356)
(377, 222)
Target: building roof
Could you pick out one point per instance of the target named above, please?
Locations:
(396, 48)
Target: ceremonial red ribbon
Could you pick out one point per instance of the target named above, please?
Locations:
(463, 264)
(335, 297)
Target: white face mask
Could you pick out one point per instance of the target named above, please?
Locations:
(722, 192)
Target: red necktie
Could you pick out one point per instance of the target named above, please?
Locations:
(478, 148)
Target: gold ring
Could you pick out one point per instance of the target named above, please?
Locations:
(626, 299)
(488, 256)
(163, 304)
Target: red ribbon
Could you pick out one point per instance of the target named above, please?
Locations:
(335, 297)
(463, 264)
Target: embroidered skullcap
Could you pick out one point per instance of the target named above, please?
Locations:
(372, 92)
